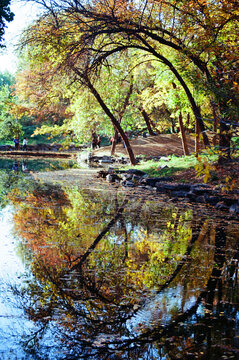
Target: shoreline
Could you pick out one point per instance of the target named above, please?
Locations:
(36, 154)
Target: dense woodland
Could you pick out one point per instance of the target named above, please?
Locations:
(120, 67)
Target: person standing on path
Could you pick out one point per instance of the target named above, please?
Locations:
(16, 142)
(94, 141)
(98, 141)
(24, 144)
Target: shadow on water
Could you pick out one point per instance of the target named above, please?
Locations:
(111, 276)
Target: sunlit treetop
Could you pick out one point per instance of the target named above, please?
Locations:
(78, 37)
(203, 29)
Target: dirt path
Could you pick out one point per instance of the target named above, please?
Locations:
(160, 145)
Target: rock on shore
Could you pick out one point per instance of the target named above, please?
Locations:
(199, 193)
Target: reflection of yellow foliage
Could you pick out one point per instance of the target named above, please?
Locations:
(58, 231)
(154, 257)
(145, 261)
(54, 228)
(147, 257)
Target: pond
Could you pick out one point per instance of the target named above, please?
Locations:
(92, 271)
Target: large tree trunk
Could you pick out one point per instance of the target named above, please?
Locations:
(114, 121)
(224, 142)
(188, 123)
(223, 101)
(184, 140)
(197, 140)
(100, 237)
(114, 142)
(147, 121)
(215, 124)
(195, 108)
(121, 113)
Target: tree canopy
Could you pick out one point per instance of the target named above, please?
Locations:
(6, 15)
(193, 42)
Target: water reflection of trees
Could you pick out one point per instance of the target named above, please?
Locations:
(122, 278)
(10, 181)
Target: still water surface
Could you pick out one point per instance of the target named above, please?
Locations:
(101, 273)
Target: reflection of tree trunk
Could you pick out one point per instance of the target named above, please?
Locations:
(99, 237)
(176, 221)
(214, 283)
(184, 295)
(126, 245)
(219, 259)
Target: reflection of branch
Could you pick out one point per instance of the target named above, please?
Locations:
(219, 260)
(208, 294)
(35, 334)
(195, 236)
(99, 237)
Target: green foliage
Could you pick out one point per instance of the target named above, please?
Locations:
(206, 168)
(10, 126)
(34, 137)
(6, 78)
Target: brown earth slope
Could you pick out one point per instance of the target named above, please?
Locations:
(160, 145)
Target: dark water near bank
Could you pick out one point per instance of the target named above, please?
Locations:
(28, 165)
(104, 274)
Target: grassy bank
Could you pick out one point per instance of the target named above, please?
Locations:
(203, 168)
(167, 167)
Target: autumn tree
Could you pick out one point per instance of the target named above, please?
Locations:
(41, 96)
(63, 107)
(42, 36)
(80, 68)
(116, 85)
(201, 33)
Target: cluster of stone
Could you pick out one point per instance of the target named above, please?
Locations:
(199, 193)
(119, 160)
(106, 159)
